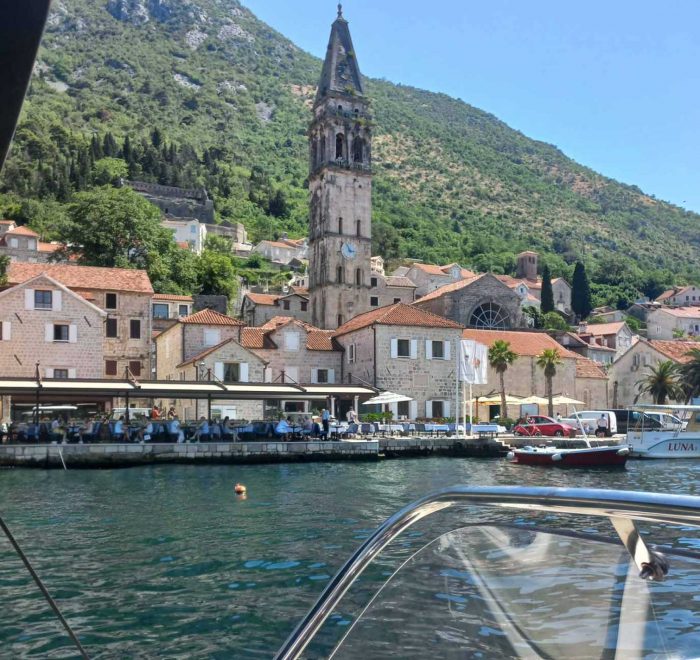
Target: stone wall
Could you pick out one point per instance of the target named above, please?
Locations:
(388, 295)
(629, 369)
(594, 392)
(195, 340)
(169, 351)
(217, 303)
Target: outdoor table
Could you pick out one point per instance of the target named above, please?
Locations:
(437, 428)
(391, 428)
(337, 429)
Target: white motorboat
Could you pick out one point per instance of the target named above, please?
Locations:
(680, 442)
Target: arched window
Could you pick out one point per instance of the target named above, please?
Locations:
(359, 227)
(322, 153)
(340, 320)
(489, 316)
(358, 150)
(358, 277)
(339, 275)
(340, 225)
(339, 146)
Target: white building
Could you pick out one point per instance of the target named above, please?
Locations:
(673, 322)
(188, 231)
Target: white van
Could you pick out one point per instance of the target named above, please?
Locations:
(668, 422)
(587, 421)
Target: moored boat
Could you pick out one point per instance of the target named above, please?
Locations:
(681, 442)
(575, 458)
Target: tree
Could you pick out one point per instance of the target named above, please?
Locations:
(554, 321)
(662, 383)
(689, 374)
(547, 297)
(548, 360)
(110, 171)
(216, 275)
(4, 263)
(500, 358)
(581, 301)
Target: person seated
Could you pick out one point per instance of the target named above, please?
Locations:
(202, 432)
(171, 413)
(283, 429)
(57, 431)
(155, 413)
(145, 432)
(87, 430)
(175, 432)
(121, 431)
(229, 430)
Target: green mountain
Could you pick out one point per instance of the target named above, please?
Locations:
(209, 95)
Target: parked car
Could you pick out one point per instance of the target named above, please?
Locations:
(586, 422)
(628, 420)
(668, 422)
(538, 425)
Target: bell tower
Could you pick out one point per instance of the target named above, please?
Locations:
(340, 186)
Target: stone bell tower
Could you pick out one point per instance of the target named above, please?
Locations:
(340, 185)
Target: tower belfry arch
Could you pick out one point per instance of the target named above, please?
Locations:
(340, 186)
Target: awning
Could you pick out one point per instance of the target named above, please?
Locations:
(386, 398)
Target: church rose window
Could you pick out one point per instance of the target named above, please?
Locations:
(489, 316)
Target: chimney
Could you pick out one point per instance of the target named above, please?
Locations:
(582, 328)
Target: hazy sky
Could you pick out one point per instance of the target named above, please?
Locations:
(615, 84)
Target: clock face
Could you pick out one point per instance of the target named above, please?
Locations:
(349, 251)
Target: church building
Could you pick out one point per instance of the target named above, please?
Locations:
(340, 185)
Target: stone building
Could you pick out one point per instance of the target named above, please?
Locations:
(259, 308)
(177, 202)
(23, 244)
(482, 301)
(679, 296)
(428, 277)
(390, 289)
(340, 187)
(617, 336)
(672, 322)
(629, 369)
(166, 309)
(282, 252)
(404, 349)
(43, 322)
(125, 297)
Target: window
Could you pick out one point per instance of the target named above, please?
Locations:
(373, 282)
(489, 316)
(438, 409)
(5, 330)
(340, 225)
(285, 305)
(110, 367)
(358, 148)
(111, 327)
(438, 350)
(61, 332)
(193, 229)
(14, 242)
(43, 300)
(322, 376)
(339, 146)
(339, 275)
(31, 244)
(374, 301)
(358, 277)
(403, 348)
(359, 227)
(232, 372)
(291, 341)
(135, 329)
(304, 306)
(161, 311)
(60, 374)
(183, 310)
(351, 353)
(135, 368)
(111, 301)
(403, 410)
(340, 320)
(212, 338)
(397, 301)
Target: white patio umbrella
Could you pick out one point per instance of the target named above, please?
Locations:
(567, 401)
(535, 400)
(386, 398)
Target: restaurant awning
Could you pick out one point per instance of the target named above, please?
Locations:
(176, 389)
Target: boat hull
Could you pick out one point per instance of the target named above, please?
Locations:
(664, 444)
(605, 457)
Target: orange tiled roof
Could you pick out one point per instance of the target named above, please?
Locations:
(682, 312)
(527, 344)
(601, 329)
(263, 298)
(210, 317)
(83, 277)
(449, 288)
(316, 339)
(586, 368)
(398, 314)
(7, 222)
(279, 244)
(49, 247)
(23, 231)
(256, 338)
(400, 281)
(167, 296)
(666, 295)
(675, 349)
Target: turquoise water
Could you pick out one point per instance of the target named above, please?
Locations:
(167, 561)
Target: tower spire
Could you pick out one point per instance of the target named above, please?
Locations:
(340, 10)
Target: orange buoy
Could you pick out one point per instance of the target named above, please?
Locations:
(240, 489)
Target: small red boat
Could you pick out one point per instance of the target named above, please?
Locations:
(574, 458)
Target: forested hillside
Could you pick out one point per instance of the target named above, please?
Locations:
(201, 93)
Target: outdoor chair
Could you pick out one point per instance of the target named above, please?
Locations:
(420, 429)
(351, 431)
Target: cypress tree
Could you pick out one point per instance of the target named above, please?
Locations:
(109, 146)
(581, 301)
(547, 297)
(96, 148)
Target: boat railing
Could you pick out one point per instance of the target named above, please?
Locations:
(621, 508)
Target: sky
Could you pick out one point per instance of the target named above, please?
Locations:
(615, 84)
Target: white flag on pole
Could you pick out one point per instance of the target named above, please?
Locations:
(474, 363)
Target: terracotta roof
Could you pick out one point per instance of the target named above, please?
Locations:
(527, 344)
(50, 247)
(301, 291)
(279, 244)
(513, 282)
(204, 353)
(256, 338)
(449, 288)
(263, 298)
(167, 296)
(23, 231)
(83, 277)
(316, 339)
(601, 329)
(398, 314)
(7, 222)
(586, 368)
(184, 245)
(396, 280)
(673, 292)
(210, 317)
(675, 350)
(682, 312)
(463, 271)
(430, 269)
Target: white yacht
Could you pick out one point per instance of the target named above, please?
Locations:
(680, 442)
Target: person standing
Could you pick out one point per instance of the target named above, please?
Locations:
(326, 421)
(352, 416)
(602, 431)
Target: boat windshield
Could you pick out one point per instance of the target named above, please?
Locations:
(512, 592)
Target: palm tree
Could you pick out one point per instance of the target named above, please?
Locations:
(548, 360)
(689, 374)
(662, 383)
(500, 358)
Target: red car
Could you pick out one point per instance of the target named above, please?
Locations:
(538, 425)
